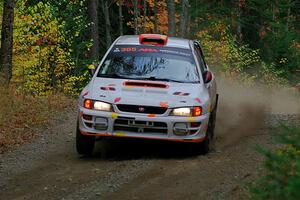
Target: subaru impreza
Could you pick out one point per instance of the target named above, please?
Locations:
(149, 86)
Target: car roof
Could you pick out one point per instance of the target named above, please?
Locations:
(172, 41)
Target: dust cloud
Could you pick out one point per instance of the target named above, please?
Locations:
(243, 111)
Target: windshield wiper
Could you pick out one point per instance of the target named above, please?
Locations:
(152, 78)
(115, 75)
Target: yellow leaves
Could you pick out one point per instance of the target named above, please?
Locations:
(39, 60)
(225, 54)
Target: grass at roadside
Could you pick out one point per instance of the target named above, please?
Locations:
(22, 116)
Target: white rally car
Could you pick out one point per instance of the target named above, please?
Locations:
(150, 87)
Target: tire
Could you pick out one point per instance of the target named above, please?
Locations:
(84, 144)
(213, 119)
(201, 148)
(212, 123)
(204, 147)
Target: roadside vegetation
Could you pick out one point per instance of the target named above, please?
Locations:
(281, 175)
(45, 65)
(24, 117)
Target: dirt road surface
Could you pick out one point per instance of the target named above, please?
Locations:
(50, 168)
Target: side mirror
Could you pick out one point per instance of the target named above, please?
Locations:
(207, 77)
(92, 69)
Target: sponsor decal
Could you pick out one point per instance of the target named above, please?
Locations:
(85, 94)
(128, 49)
(181, 94)
(198, 100)
(114, 115)
(191, 119)
(117, 100)
(117, 50)
(120, 134)
(148, 50)
(108, 88)
(164, 104)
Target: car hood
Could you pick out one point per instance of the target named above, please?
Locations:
(148, 93)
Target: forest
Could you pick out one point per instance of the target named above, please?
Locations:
(47, 45)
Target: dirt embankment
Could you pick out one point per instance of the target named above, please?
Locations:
(49, 167)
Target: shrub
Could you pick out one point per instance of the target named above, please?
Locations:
(281, 179)
(50, 47)
(235, 60)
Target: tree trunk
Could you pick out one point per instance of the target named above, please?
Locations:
(239, 26)
(145, 15)
(288, 16)
(241, 5)
(188, 23)
(171, 18)
(7, 41)
(121, 17)
(105, 9)
(273, 16)
(155, 16)
(183, 17)
(93, 15)
(136, 29)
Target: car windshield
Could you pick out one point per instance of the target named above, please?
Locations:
(150, 63)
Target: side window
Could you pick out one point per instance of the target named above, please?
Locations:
(200, 58)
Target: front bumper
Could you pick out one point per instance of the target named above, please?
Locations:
(144, 126)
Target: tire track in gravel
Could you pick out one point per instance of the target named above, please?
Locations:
(49, 167)
(131, 170)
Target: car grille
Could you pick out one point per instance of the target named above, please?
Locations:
(131, 125)
(142, 109)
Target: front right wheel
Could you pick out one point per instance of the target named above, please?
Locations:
(84, 144)
(204, 146)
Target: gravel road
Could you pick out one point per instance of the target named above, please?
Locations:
(50, 168)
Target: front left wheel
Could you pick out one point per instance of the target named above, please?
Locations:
(204, 146)
(84, 144)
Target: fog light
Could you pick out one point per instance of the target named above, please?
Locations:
(180, 129)
(101, 123)
(87, 117)
(195, 124)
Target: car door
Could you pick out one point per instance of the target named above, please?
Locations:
(211, 86)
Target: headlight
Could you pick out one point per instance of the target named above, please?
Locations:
(97, 105)
(187, 112)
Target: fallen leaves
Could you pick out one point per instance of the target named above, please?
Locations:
(22, 117)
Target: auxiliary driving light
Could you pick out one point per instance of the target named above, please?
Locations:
(180, 129)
